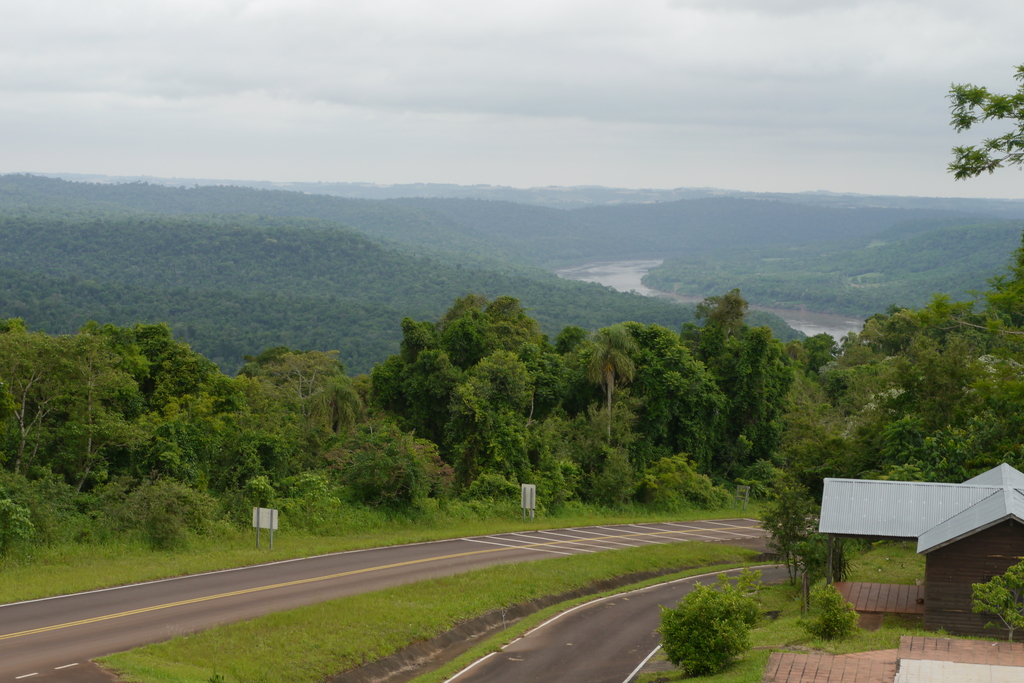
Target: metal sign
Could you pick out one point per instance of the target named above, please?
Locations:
(742, 494)
(264, 518)
(529, 499)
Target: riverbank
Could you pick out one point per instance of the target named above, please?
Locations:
(626, 276)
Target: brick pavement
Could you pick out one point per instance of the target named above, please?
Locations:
(920, 659)
(863, 667)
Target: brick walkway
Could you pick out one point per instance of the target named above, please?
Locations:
(993, 653)
(880, 666)
(864, 667)
(889, 598)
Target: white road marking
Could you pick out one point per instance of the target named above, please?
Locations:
(571, 544)
(18, 678)
(634, 537)
(578, 541)
(472, 665)
(58, 668)
(641, 665)
(506, 545)
(604, 539)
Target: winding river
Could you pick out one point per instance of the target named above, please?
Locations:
(625, 276)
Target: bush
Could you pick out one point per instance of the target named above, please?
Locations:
(384, 466)
(165, 513)
(492, 487)
(674, 482)
(711, 626)
(836, 618)
(15, 525)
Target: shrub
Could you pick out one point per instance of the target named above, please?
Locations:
(493, 487)
(15, 525)
(384, 466)
(836, 618)
(674, 481)
(711, 625)
(165, 512)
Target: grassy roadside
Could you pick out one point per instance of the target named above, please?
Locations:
(888, 562)
(78, 567)
(312, 643)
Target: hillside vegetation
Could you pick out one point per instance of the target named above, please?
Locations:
(902, 265)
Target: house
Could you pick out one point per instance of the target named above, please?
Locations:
(967, 532)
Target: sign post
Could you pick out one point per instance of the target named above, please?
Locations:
(264, 518)
(529, 499)
(742, 493)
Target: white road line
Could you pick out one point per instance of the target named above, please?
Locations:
(634, 537)
(18, 678)
(721, 531)
(58, 668)
(666, 531)
(637, 670)
(472, 665)
(579, 541)
(604, 539)
(505, 545)
(571, 544)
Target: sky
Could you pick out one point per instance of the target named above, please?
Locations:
(757, 95)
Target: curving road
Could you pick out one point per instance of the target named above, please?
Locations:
(40, 637)
(603, 641)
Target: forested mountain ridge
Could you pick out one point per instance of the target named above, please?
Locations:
(234, 285)
(658, 230)
(478, 229)
(903, 265)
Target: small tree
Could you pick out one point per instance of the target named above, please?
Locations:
(836, 618)
(790, 519)
(711, 626)
(1003, 596)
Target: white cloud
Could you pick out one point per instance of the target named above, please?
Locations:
(596, 90)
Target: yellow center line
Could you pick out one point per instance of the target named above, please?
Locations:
(298, 582)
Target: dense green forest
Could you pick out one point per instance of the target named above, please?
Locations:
(902, 265)
(481, 380)
(234, 285)
(475, 231)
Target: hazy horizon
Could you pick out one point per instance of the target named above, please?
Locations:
(844, 96)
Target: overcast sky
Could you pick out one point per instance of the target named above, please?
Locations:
(763, 95)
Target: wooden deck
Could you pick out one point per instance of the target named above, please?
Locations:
(883, 598)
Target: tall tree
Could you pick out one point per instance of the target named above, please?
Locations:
(974, 104)
(612, 348)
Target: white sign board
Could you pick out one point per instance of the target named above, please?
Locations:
(529, 499)
(264, 518)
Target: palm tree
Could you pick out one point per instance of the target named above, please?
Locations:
(612, 346)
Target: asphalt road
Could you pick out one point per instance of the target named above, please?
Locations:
(39, 637)
(602, 641)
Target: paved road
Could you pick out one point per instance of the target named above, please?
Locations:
(40, 636)
(603, 641)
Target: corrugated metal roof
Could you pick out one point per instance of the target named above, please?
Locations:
(1004, 503)
(900, 509)
(1003, 475)
(935, 514)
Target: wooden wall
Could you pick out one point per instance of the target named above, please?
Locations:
(950, 571)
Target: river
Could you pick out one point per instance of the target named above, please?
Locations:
(625, 276)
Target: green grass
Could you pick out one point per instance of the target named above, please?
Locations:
(889, 562)
(75, 567)
(884, 562)
(315, 642)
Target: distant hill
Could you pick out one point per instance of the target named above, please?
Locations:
(478, 232)
(903, 265)
(580, 196)
(234, 285)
